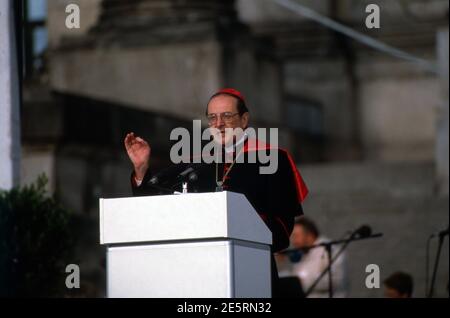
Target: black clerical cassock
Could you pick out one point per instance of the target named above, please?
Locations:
(277, 197)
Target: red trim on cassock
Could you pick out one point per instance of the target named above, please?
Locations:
(284, 226)
(302, 189)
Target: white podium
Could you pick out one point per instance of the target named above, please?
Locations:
(195, 245)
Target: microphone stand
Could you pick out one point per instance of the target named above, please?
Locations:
(331, 260)
(436, 263)
(192, 177)
(181, 180)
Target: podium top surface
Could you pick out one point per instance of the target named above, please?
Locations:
(192, 216)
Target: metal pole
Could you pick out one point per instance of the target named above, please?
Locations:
(9, 99)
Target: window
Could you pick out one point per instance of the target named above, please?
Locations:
(304, 117)
(35, 35)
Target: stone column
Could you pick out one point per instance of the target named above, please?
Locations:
(9, 100)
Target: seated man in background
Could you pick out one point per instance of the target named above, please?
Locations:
(398, 285)
(314, 261)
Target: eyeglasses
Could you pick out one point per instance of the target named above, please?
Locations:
(225, 117)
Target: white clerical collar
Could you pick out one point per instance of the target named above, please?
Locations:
(231, 148)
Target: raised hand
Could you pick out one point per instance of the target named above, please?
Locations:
(139, 152)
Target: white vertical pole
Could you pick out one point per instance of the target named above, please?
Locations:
(442, 139)
(9, 100)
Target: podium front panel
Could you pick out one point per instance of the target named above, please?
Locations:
(219, 269)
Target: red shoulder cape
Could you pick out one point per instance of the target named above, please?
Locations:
(257, 145)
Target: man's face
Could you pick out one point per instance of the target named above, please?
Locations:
(301, 238)
(393, 293)
(224, 109)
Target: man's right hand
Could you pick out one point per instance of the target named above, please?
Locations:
(139, 152)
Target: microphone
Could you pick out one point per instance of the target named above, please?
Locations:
(176, 174)
(163, 175)
(362, 232)
(190, 172)
(295, 256)
(441, 233)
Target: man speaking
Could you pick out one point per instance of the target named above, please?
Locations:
(277, 196)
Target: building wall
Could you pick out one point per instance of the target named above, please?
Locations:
(326, 82)
(38, 161)
(397, 111)
(364, 116)
(386, 106)
(172, 79)
(89, 14)
(263, 12)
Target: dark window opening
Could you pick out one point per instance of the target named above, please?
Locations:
(304, 117)
(35, 36)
